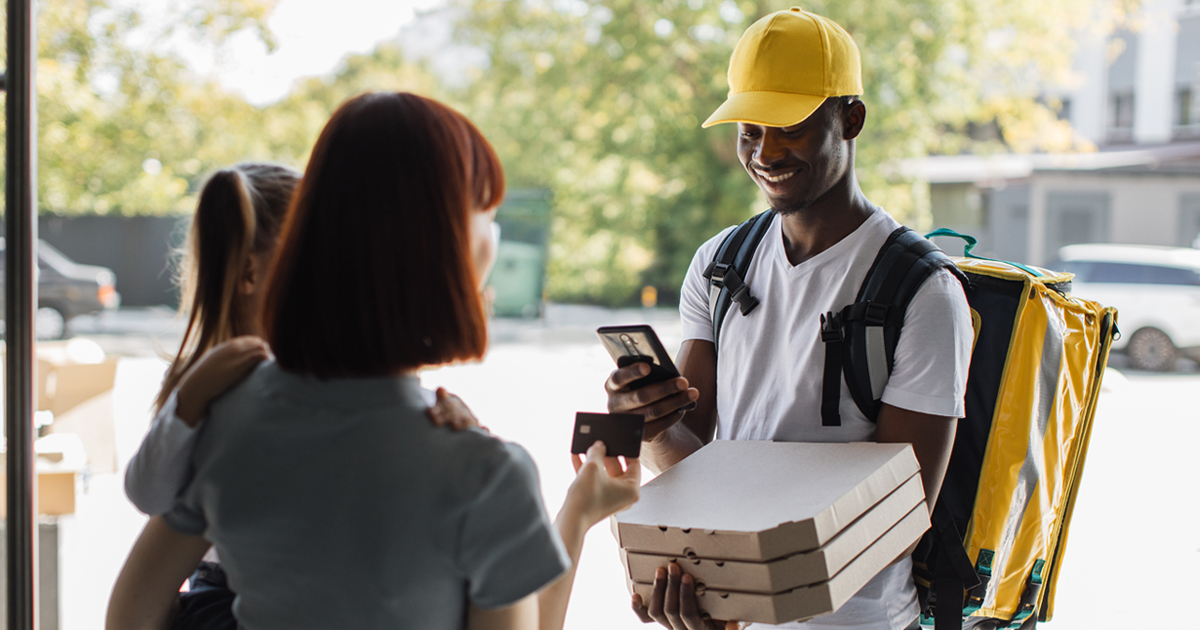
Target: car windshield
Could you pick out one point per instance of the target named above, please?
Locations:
(1130, 273)
(53, 257)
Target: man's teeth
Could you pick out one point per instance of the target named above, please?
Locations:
(778, 178)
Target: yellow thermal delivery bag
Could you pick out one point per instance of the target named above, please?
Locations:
(1014, 473)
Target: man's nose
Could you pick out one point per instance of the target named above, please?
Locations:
(770, 150)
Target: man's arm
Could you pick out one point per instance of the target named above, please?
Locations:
(932, 438)
(671, 434)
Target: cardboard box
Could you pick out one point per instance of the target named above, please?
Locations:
(65, 381)
(802, 569)
(760, 501)
(93, 421)
(817, 599)
(59, 460)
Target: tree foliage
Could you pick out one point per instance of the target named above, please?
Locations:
(601, 101)
(127, 129)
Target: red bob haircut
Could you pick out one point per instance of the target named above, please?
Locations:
(373, 274)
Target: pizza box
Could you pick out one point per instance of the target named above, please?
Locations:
(802, 569)
(808, 601)
(759, 501)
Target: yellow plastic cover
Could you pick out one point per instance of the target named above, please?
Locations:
(1040, 433)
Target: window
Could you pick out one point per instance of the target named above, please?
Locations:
(1074, 216)
(1132, 273)
(1185, 114)
(1081, 268)
(1120, 110)
(1064, 109)
(1189, 220)
(1122, 52)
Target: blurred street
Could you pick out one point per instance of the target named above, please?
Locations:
(1133, 539)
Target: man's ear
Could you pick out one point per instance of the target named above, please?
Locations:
(249, 279)
(854, 116)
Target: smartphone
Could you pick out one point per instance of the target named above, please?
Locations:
(639, 344)
(620, 432)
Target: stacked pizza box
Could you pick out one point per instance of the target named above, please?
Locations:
(775, 532)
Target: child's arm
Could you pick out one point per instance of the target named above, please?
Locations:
(147, 589)
(159, 468)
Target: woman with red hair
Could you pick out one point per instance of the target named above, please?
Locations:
(332, 500)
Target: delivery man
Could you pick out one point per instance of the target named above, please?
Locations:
(795, 82)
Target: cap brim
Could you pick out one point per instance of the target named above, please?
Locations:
(771, 109)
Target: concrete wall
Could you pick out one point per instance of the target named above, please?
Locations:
(1142, 210)
(1155, 98)
(1009, 218)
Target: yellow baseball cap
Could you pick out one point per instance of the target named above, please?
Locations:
(785, 66)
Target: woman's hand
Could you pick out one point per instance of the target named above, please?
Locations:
(602, 487)
(219, 369)
(450, 410)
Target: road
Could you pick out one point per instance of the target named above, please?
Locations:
(1133, 542)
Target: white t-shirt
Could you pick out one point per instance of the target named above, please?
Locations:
(770, 367)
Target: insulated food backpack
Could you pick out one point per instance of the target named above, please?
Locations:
(992, 557)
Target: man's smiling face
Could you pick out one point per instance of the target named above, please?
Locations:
(795, 166)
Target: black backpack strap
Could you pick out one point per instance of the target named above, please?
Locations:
(727, 272)
(833, 335)
(953, 573)
(870, 328)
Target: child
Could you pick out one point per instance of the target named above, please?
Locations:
(231, 240)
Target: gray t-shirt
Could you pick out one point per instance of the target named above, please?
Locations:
(336, 504)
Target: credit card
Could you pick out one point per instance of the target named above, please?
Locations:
(620, 432)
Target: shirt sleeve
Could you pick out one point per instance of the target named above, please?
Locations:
(693, 296)
(508, 548)
(933, 355)
(185, 517)
(159, 469)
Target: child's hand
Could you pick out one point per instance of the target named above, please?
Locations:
(602, 487)
(218, 370)
(451, 411)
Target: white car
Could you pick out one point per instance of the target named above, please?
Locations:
(1156, 291)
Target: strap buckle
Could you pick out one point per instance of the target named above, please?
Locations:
(831, 328)
(724, 276)
(875, 314)
(715, 273)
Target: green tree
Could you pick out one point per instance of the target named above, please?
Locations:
(130, 130)
(290, 127)
(601, 101)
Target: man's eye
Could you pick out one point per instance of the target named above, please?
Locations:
(749, 135)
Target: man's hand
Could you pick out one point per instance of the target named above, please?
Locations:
(674, 604)
(661, 403)
(217, 370)
(451, 411)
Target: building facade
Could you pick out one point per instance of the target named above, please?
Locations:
(1138, 101)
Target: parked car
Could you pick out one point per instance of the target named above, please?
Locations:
(1156, 291)
(66, 290)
